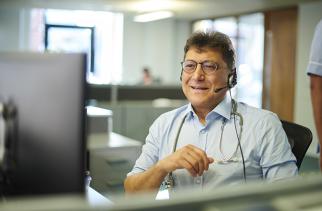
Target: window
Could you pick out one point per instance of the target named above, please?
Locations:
(97, 33)
(247, 35)
(63, 38)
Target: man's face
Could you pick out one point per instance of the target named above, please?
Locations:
(198, 86)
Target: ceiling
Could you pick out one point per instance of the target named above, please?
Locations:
(183, 9)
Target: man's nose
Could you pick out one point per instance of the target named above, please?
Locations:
(199, 73)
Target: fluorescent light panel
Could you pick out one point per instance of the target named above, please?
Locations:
(153, 16)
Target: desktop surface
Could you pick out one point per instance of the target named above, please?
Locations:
(303, 193)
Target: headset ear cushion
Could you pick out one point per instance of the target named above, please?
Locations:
(232, 79)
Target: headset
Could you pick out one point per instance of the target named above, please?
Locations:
(231, 81)
(232, 78)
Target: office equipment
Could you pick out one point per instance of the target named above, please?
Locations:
(99, 120)
(299, 138)
(110, 156)
(48, 151)
(110, 161)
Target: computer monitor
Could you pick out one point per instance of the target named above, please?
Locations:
(48, 92)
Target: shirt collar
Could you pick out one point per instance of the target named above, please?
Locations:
(222, 109)
(190, 112)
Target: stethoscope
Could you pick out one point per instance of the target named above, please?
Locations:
(169, 180)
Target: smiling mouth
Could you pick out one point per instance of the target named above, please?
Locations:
(199, 88)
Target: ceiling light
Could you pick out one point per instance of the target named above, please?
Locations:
(152, 16)
(152, 5)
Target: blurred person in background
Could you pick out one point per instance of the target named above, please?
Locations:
(147, 76)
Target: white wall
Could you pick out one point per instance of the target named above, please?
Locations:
(9, 29)
(157, 45)
(309, 16)
(132, 46)
(14, 29)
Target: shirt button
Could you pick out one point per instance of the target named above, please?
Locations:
(198, 181)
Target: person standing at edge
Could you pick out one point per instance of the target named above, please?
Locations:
(314, 70)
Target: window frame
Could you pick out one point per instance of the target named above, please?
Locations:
(92, 41)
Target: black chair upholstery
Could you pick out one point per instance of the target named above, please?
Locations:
(299, 138)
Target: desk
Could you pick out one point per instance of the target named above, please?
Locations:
(102, 140)
(94, 198)
(297, 194)
(63, 202)
(111, 157)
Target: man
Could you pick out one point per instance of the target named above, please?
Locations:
(314, 70)
(198, 144)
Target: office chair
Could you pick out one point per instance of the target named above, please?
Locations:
(299, 138)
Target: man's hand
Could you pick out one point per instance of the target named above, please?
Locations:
(191, 158)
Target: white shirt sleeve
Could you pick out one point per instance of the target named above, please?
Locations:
(315, 62)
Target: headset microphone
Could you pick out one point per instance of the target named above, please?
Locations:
(219, 89)
(231, 81)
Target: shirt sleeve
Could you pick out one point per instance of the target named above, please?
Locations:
(315, 63)
(276, 157)
(150, 150)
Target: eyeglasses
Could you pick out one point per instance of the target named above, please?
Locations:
(208, 67)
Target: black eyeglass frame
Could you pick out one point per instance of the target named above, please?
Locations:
(203, 67)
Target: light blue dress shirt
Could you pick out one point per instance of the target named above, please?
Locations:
(264, 143)
(315, 63)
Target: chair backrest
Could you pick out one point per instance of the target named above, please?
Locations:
(299, 138)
